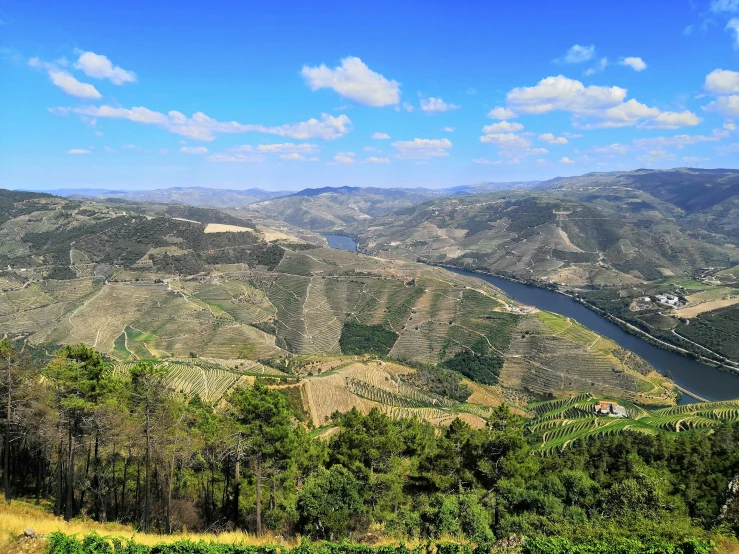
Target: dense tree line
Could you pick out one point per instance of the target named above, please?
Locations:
(122, 447)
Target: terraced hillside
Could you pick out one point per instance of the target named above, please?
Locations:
(559, 424)
(143, 287)
(545, 236)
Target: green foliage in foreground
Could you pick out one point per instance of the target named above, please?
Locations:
(95, 544)
(366, 339)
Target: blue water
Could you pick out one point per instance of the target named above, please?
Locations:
(701, 379)
(341, 241)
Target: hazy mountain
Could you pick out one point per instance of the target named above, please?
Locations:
(193, 196)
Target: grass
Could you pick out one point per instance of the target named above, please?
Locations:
(22, 515)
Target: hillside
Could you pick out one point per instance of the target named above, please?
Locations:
(544, 236)
(706, 199)
(137, 287)
(192, 196)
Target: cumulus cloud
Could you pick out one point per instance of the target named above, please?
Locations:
(375, 160)
(79, 151)
(448, 129)
(293, 156)
(598, 67)
(551, 139)
(288, 148)
(506, 140)
(237, 154)
(566, 160)
(501, 113)
(194, 150)
(611, 149)
(578, 54)
(672, 120)
(432, 104)
(676, 140)
(355, 81)
(65, 80)
(422, 148)
(637, 64)
(345, 158)
(100, 67)
(202, 127)
(380, 136)
(408, 107)
(728, 106)
(657, 155)
(722, 81)
(502, 127)
(606, 105)
(733, 26)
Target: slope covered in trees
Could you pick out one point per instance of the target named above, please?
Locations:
(122, 447)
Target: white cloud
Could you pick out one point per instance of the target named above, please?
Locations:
(551, 139)
(563, 94)
(345, 158)
(293, 156)
(725, 5)
(380, 136)
(422, 148)
(202, 127)
(657, 155)
(676, 140)
(606, 105)
(449, 129)
(501, 113)
(598, 67)
(506, 140)
(502, 127)
(693, 159)
(566, 160)
(730, 126)
(672, 120)
(722, 81)
(611, 149)
(100, 67)
(371, 149)
(288, 148)
(578, 54)
(728, 106)
(733, 25)
(408, 107)
(432, 104)
(98, 133)
(237, 154)
(375, 160)
(65, 80)
(355, 81)
(637, 64)
(194, 150)
(485, 161)
(79, 151)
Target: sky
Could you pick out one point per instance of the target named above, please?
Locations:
(286, 95)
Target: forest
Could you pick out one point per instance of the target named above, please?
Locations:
(114, 446)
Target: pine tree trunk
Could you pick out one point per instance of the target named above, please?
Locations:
(237, 483)
(69, 507)
(6, 446)
(259, 495)
(147, 481)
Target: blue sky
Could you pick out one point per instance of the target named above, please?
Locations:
(286, 95)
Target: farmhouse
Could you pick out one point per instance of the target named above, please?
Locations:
(669, 300)
(610, 409)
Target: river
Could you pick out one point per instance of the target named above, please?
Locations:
(703, 380)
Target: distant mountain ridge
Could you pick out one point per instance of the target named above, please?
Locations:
(193, 196)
